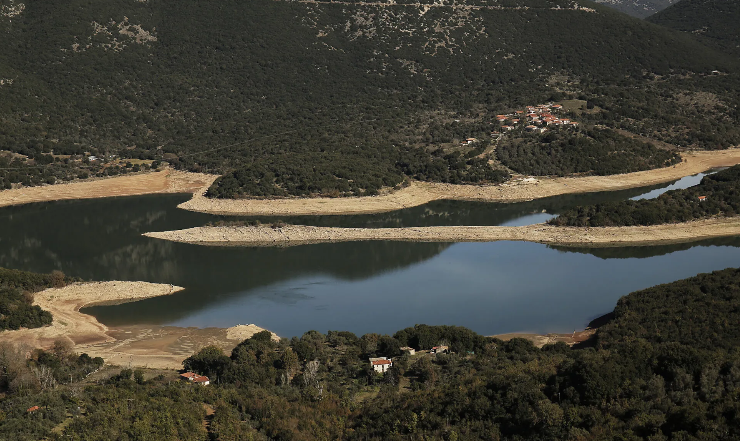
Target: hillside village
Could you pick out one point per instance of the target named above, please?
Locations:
(535, 119)
(538, 117)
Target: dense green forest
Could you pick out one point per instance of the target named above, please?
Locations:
(638, 8)
(16, 297)
(665, 367)
(713, 22)
(594, 151)
(40, 168)
(294, 98)
(717, 195)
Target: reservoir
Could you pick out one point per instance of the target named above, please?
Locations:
(361, 287)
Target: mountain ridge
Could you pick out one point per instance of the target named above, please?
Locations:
(331, 96)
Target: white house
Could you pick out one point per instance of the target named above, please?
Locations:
(195, 378)
(381, 364)
(202, 380)
(442, 349)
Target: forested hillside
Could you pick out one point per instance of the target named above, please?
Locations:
(638, 8)
(296, 98)
(713, 22)
(666, 367)
(717, 195)
(594, 151)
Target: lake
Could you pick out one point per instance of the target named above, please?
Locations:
(360, 287)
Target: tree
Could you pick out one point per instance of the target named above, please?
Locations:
(209, 361)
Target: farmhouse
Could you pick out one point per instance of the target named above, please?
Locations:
(202, 380)
(381, 364)
(440, 349)
(188, 376)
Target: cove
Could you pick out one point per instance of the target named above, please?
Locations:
(360, 287)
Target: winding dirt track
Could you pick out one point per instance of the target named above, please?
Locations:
(419, 193)
(576, 236)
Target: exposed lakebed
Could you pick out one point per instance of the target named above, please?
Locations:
(361, 287)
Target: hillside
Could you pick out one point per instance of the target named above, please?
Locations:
(665, 367)
(713, 22)
(716, 196)
(302, 98)
(638, 8)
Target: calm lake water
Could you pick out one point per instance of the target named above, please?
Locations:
(361, 287)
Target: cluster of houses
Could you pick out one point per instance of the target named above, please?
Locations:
(537, 118)
(192, 377)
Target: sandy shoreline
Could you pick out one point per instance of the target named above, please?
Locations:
(541, 233)
(541, 340)
(166, 181)
(419, 193)
(140, 345)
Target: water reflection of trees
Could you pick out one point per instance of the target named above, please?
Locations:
(643, 252)
(448, 212)
(101, 240)
(213, 275)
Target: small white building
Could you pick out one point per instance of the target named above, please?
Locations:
(192, 377)
(188, 376)
(442, 349)
(202, 380)
(381, 364)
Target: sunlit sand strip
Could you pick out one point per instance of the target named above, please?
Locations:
(69, 323)
(151, 346)
(541, 233)
(167, 181)
(419, 193)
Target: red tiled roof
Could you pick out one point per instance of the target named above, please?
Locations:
(380, 362)
(33, 409)
(189, 375)
(201, 379)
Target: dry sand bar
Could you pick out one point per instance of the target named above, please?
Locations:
(162, 182)
(419, 193)
(576, 236)
(152, 346)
